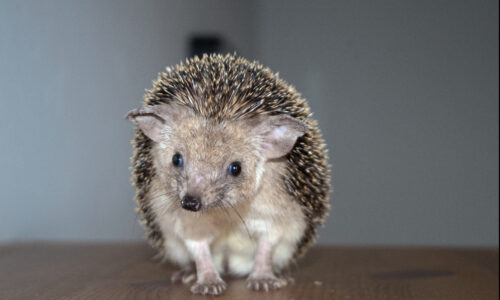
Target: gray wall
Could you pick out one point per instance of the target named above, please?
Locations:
(406, 94)
(69, 71)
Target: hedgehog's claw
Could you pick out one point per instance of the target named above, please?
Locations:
(209, 288)
(184, 276)
(266, 283)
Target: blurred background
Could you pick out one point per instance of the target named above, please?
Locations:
(406, 93)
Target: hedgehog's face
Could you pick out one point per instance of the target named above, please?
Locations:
(206, 164)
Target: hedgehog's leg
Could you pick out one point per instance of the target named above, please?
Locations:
(208, 281)
(262, 276)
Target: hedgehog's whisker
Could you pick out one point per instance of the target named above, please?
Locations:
(164, 206)
(220, 205)
(239, 216)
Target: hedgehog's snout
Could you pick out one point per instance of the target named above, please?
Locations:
(191, 203)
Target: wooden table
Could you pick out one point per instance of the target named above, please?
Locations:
(126, 271)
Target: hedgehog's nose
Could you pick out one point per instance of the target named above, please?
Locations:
(191, 203)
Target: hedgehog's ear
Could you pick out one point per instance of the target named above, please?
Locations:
(277, 134)
(156, 121)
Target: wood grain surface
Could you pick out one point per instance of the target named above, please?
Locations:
(127, 271)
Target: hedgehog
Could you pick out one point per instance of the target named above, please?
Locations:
(230, 171)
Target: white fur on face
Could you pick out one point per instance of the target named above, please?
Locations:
(259, 171)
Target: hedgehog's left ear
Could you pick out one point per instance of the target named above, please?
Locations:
(156, 121)
(277, 134)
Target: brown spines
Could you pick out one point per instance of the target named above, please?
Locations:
(229, 87)
(309, 181)
(142, 173)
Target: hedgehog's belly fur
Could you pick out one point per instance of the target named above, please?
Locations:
(233, 253)
(272, 214)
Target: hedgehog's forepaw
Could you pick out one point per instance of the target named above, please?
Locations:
(266, 282)
(209, 288)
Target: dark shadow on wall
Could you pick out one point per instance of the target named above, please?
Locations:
(199, 44)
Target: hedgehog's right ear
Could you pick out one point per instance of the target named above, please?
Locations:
(277, 134)
(156, 121)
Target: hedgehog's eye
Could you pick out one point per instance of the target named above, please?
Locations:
(234, 169)
(177, 160)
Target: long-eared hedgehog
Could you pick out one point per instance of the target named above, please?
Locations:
(230, 172)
